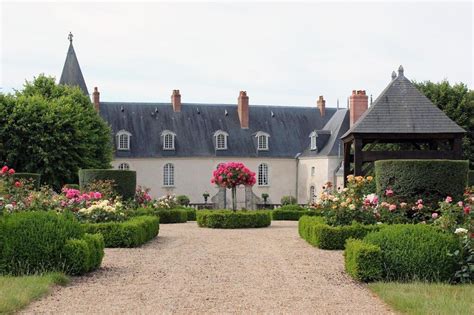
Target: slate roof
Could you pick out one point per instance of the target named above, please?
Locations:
(72, 74)
(288, 126)
(401, 108)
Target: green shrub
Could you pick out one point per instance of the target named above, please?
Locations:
(77, 256)
(470, 178)
(96, 247)
(291, 215)
(33, 242)
(316, 232)
(226, 219)
(363, 261)
(125, 181)
(288, 200)
(430, 180)
(35, 178)
(415, 252)
(191, 214)
(182, 200)
(130, 233)
(293, 207)
(178, 215)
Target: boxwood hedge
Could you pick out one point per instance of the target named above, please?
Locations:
(430, 180)
(227, 219)
(125, 181)
(291, 215)
(83, 255)
(178, 215)
(363, 261)
(316, 232)
(34, 177)
(470, 176)
(131, 233)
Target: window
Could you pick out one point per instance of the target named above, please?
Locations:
(124, 166)
(168, 175)
(263, 175)
(168, 140)
(311, 194)
(123, 140)
(262, 140)
(313, 140)
(221, 139)
(313, 171)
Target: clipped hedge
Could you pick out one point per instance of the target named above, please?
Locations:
(316, 232)
(131, 233)
(179, 215)
(37, 241)
(291, 215)
(34, 177)
(430, 180)
(415, 252)
(470, 178)
(227, 219)
(292, 207)
(363, 261)
(191, 214)
(125, 181)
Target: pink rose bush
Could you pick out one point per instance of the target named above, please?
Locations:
(233, 174)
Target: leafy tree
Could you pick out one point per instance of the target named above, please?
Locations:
(457, 102)
(53, 130)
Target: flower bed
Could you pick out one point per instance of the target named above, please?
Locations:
(130, 233)
(225, 219)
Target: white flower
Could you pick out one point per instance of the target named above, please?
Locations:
(352, 206)
(9, 207)
(460, 231)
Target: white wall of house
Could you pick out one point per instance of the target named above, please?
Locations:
(193, 176)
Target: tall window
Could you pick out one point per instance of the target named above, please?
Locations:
(313, 171)
(262, 140)
(168, 175)
(311, 194)
(221, 140)
(313, 140)
(168, 140)
(123, 140)
(263, 174)
(124, 166)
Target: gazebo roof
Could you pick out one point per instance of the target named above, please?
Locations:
(402, 109)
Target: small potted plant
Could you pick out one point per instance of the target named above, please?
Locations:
(265, 197)
(205, 195)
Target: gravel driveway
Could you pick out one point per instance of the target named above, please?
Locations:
(188, 270)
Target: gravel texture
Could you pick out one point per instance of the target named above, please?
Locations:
(192, 270)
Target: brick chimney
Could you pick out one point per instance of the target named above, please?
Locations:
(358, 104)
(176, 101)
(243, 109)
(96, 98)
(322, 105)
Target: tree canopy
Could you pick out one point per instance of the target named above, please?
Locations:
(52, 130)
(457, 102)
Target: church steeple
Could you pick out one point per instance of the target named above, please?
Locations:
(72, 74)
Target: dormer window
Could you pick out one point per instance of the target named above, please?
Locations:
(262, 140)
(123, 140)
(313, 136)
(168, 140)
(221, 139)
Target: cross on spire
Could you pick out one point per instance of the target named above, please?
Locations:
(70, 37)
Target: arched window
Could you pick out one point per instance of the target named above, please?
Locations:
(313, 171)
(168, 140)
(221, 139)
(168, 175)
(123, 140)
(313, 140)
(262, 140)
(312, 195)
(124, 166)
(263, 174)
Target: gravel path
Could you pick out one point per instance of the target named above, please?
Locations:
(191, 270)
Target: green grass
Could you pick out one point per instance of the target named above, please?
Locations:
(17, 292)
(427, 298)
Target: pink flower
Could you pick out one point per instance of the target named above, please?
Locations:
(419, 201)
(392, 207)
(461, 204)
(449, 199)
(17, 184)
(389, 192)
(467, 210)
(11, 171)
(420, 206)
(434, 215)
(4, 169)
(98, 195)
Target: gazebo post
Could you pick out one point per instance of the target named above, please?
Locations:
(347, 160)
(358, 156)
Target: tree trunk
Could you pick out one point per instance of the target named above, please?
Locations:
(234, 198)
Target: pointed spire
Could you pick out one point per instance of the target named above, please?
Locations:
(394, 75)
(400, 71)
(72, 74)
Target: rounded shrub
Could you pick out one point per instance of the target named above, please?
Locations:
(182, 200)
(35, 178)
(430, 180)
(125, 181)
(227, 219)
(415, 252)
(288, 200)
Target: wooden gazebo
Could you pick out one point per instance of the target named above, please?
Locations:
(402, 123)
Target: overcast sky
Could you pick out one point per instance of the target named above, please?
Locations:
(280, 53)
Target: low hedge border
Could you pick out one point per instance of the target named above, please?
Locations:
(191, 213)
(316, 232)
(83, 255)
(178, 215)
(291, 215)
(363, 261)
(131, 233)
(227, 219)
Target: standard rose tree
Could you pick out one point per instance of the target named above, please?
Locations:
(231, 175)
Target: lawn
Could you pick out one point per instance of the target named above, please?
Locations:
(17, 292)
(426, 298)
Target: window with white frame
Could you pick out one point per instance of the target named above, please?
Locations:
(313, 171)
(168, 175)
(263, 174)
(312, 195)
(313, 140)
(123, 140)
(124, 166)
(262, 140)
(221, 139)
(168, 140)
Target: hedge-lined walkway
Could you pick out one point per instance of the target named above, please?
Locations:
(196, 270)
